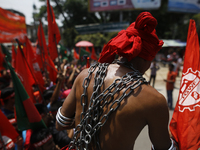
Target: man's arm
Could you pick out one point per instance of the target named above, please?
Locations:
(68, 109)
(158, 117)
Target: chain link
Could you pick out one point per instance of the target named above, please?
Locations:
(92, 119)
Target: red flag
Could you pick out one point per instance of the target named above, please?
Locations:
(93, 55)
(12, 26)
(87, 49)
(53, 32)
(33, 64)
(24, 73)
(76, 56)
(51, 69)
(6, 128)
(42, 51)
(13, 61)
(1, 59)
(185, 126)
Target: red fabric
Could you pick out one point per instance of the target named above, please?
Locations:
(139, 39)
(93, 55)
(76, 55)
(6, 128)
(53, 32)
(1, 59)
(27, 144)
(38, 96)
(30, 108)
(42, 51)
(34, 65)
(24, 74)
(12, 26)
(88, 63)
(13, 61)
(184, 125)
(51, 69)
(87, 49)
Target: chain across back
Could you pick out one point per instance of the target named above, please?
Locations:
(92, 119)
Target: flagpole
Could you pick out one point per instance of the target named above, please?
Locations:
(30, 70)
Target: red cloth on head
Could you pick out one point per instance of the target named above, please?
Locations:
(139, 39)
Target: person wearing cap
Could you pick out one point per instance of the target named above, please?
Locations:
(111, 102)
(7, 100)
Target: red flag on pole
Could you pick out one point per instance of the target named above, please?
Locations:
(185, 126)
(24, 74)
(42, 51)
(93, 55)
(87, 49)
(76, 55)
(53, 32)
(34, 65)
(52, 71)
(6, 128)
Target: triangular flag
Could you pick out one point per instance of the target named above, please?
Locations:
(53, 32)
(23, 71)
(87, 49)
(184, 125)
(76, 55)
(34, 65)
(51, 69)
(6, 128)
(93, 55)
(27, 115)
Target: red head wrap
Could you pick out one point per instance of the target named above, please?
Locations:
(139, 39)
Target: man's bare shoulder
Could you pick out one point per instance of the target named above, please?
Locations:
(152, 99)
(81, 77)
(155, 103)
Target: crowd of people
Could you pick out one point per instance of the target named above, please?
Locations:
(47, 105)
(66, 101)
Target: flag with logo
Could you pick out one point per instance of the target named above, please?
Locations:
(27, 115)
(185, 122)
(53, 32)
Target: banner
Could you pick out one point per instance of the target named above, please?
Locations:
(184, 125)
(109, 5)
(12, 26)
(188, 6)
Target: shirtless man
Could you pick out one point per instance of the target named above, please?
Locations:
(118, 119)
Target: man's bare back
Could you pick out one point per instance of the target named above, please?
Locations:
(120, 122)
(145, 106)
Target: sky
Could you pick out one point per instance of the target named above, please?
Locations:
(24, 6)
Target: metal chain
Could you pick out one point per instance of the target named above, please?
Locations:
(92, 119)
